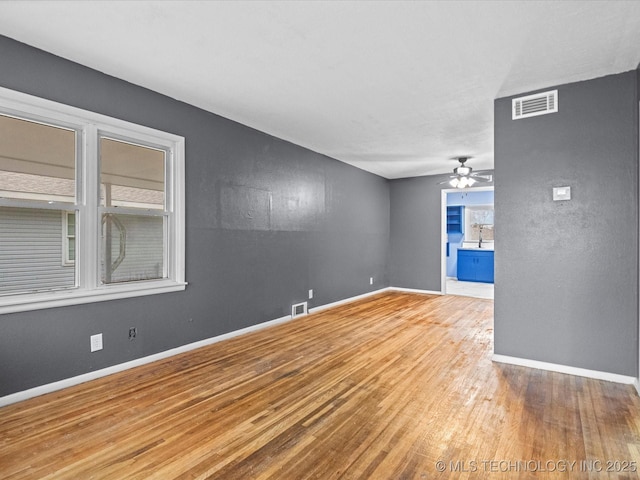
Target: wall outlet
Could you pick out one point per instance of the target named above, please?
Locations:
(310, 293)
(96, 342)
(370, 280)
(133, 331)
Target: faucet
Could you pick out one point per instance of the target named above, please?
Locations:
(480, 236)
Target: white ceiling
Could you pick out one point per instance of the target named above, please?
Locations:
(392, 87)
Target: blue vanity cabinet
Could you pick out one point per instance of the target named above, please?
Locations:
(475, 265)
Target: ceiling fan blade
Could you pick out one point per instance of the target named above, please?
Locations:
(480, 178)
(449, 179)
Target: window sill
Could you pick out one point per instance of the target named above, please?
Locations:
(63, 298)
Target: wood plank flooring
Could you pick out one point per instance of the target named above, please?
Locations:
(383, 388)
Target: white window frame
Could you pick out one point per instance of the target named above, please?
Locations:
(90, 126)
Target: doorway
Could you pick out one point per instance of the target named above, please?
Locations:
(467, 254)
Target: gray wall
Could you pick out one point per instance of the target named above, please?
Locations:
(416, 219)
(567, 272)
(414, 261)
(328, 230)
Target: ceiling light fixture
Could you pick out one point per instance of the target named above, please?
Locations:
(463, 176)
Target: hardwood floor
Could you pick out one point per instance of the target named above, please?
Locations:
(383, 388)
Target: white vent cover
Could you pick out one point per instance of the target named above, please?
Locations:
(298, 309)
(537, 104)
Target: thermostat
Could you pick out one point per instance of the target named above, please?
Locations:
(561, 193)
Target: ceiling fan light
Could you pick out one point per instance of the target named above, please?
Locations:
(462, 177)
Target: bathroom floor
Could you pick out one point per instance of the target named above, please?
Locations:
(469, 289)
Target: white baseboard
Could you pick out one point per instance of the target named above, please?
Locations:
(415, 290)
(69, 382)
(553, 367)
(368, 294)
(346, 300)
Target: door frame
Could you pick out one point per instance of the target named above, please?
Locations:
(637, 381)
(443, 229)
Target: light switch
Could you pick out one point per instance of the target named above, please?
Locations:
(561, 193)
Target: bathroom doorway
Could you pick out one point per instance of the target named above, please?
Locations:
(468, 242)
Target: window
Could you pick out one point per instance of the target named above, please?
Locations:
(479, 223)
(133, 212)
(91, 208)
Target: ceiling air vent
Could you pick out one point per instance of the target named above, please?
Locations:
(537, 104)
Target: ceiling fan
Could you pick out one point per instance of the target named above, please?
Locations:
(463, 177)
